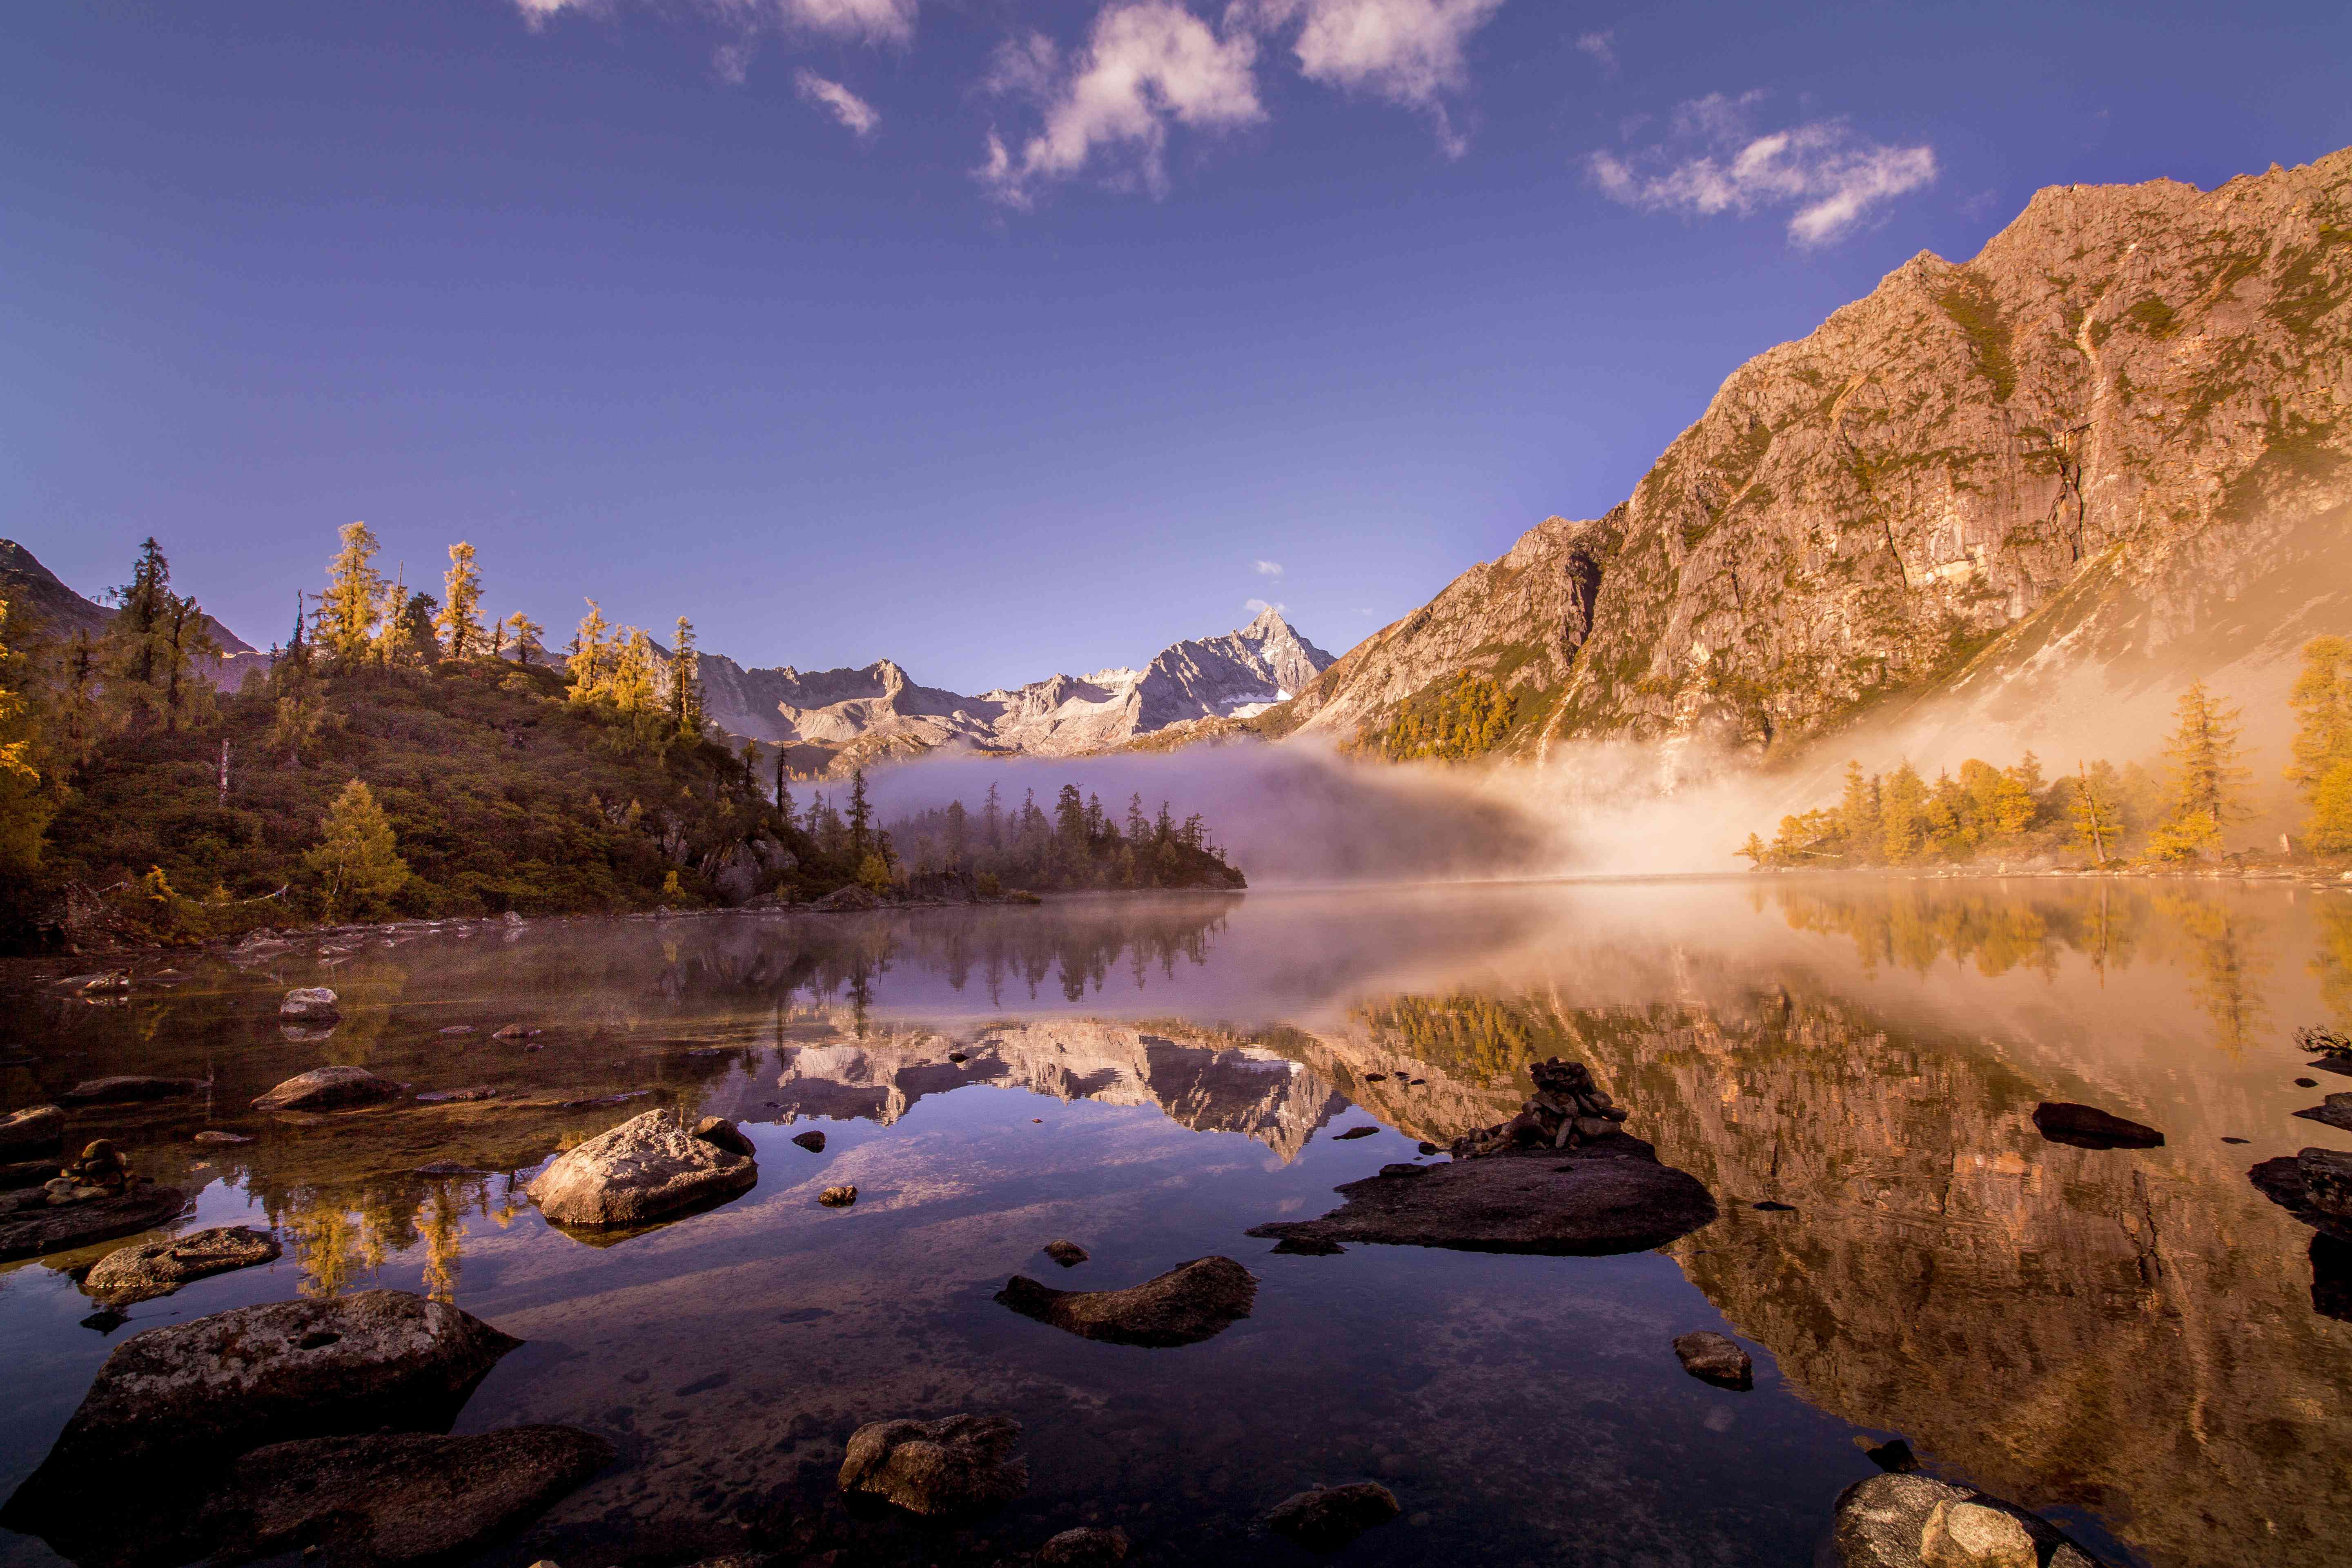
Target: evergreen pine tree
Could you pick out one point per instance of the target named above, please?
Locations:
(527, 633)
(861, 818)
(2206, 779)
(685, 709)
(24, 807)
(589, 654)
(460, 623)
(353, 602)
(356, 861)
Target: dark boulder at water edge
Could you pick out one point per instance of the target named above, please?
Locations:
(35, 1131)
(174, 1407)
(1327, 1517)
(1716, 1358)
(328, 1088)
(153, 1269)
(2088, 1127)
(39, 1227)
(1191, 1302)
(1605, 1196)
(1911, 1522)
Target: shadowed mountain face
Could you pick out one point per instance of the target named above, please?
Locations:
(40, 606)
(851, 716)
(2088, 446)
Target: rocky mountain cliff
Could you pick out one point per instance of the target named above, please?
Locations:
(841, 717)
(41, 606)
(2104, 440)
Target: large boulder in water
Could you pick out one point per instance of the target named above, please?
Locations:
(2088, 1127)
(1912, 1521)
(647, 1167)
(1605, 1196)
(1327, 1517)
(395, 1497)
(955, 1466)
(31, 1132)
(328, 1088)
(152, 1268)
(172, 1407)
(310, 1004)
(40, 1226)
(1191, 1302)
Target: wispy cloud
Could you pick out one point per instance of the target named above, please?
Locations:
(1266, 568)
(1148, 65)
(1715, 161)
(1409, 52)
(1602, 48)
(844, 105)
(1260, 606)
(864, 21)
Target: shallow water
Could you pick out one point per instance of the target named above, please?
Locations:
(2125, 1340)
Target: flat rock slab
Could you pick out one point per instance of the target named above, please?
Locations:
(959, 1465)
(328, 1088)
(223, 1384)
(1884, 1522)
(30, 1232)
(153, 1269)
(1607, 1196)
(1716, 1358)
(2314, 1187)
(1191, 1302)
(2088, 1127)
(35, 1131)
(648, 1167)
(396, 1497)
(126, 1088)
(1328, 1517)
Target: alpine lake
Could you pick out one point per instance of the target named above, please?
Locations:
(2136, 1343)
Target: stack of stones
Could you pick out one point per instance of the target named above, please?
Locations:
(1567, 1109)
(101, 1172)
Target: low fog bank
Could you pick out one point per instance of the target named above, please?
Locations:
(1295, 812)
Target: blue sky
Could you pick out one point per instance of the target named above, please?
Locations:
(994, 338)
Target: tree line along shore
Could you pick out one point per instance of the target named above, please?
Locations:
(2176, 814)
(402, 755)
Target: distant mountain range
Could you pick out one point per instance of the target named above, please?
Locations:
(845, 717)
(834, 719)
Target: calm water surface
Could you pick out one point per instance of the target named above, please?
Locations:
(2127, 1340)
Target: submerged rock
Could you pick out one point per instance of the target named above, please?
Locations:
(812, 1141)
(1607, 1196)
(1328, 1517)
(1716, 1359)
(1912, 1521)
(2088, 1127)
(35, 1131)
(1069, 1254)
(310, 1004)
(1353, 1133)
(647, 1167)
(153, 1269)
(126, 1088)
(955, 1466)
(2314, 1187)
(395, 1497)
(837, 1197)
(1086, 1547)
(1191, 1302)
(721, 1134)
(327, 1089)
(30, 1231)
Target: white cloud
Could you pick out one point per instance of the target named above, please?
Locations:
(1409, 52)
(1260, 606)
(731, 63)
(1148, 63)
(1602, 48)
(846, 106)
(1266, 568)
(1713, 162)
(866, 21)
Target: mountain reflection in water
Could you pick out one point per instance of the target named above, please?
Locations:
(2130, 1338)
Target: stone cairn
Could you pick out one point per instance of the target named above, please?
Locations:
(101, 1172)
(1568, 1109)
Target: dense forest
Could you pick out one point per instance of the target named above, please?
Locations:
(403, 756)
(2176, 812)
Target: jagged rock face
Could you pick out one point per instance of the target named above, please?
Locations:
(2131, 409)
(858, 716)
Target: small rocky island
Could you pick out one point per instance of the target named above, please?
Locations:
(1562, 1177)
